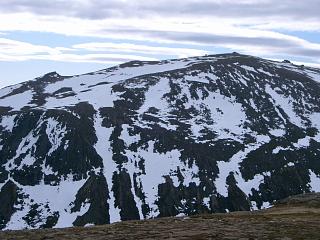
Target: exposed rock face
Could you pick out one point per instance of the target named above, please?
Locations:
(237, 198)
(8, 198)
(148, 139)
(95, 192)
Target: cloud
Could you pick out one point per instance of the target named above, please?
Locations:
(211, 34)
(94, 58)
(249, 26)
(104, 52)
(249, 41)
(139, 49)
(114, 53)
(18, 48)
(262, 14)
(96, 9)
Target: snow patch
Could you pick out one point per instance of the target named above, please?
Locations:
(58, 199)
(286, 103)
(248, 68)
(18, 101)
(103, 148)
(8, 122)
(266, 73)
(277, 132)
(314, 75)
(233, 166)
(314, 181)
(55, 133)
(158, 165)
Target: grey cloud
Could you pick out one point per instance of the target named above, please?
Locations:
(97, 9)
(285, 11)
(312, 53)
(72, 8)
(276, 45)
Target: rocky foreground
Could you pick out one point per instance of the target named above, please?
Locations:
(296, 217)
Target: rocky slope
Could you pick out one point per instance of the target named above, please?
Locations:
(293, 218)
(154, 139)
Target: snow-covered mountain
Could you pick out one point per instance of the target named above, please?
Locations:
(145, 139)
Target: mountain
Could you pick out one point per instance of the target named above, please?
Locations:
(140, 140)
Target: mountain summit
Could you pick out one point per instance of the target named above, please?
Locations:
(140, 140)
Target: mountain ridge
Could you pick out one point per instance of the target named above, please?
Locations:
(216, 133)
(139, 62)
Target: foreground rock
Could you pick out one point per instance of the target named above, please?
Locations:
(296, 217)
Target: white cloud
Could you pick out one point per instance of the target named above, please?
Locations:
(95, 58)
(18, 48)
(249, 26)
(243, 10)
(136, 48)
(115, 53)
(11, 50)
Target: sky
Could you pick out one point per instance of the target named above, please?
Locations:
(79, 36)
